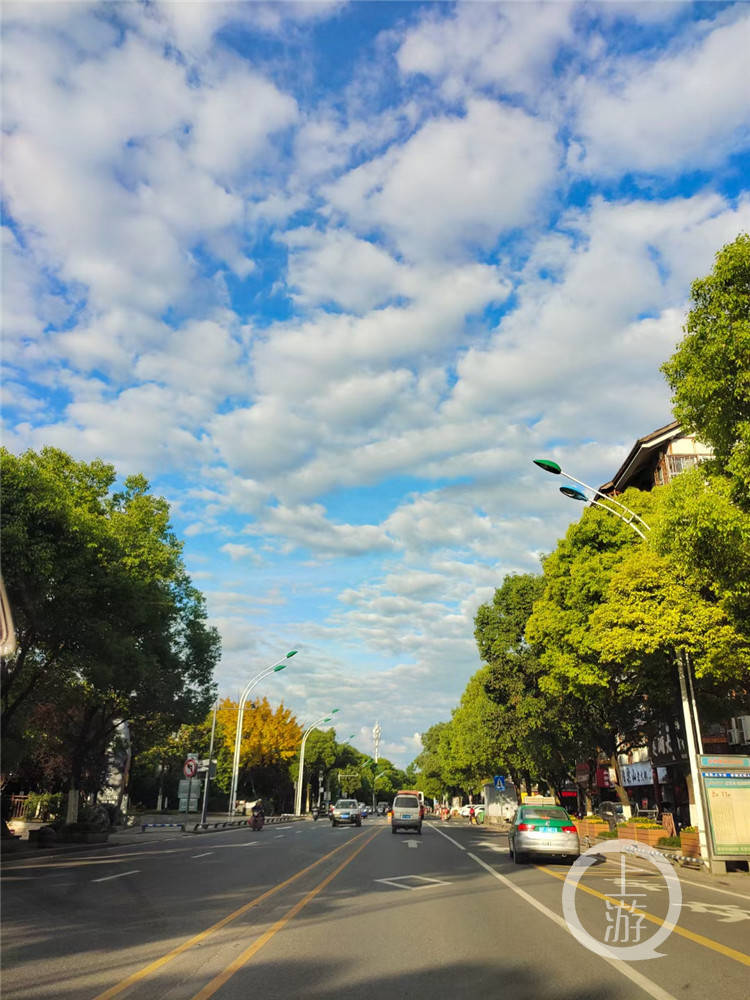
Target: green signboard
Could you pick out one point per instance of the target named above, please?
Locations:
(726, 781)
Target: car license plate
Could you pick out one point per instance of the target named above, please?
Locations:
(345, 815)
(405, 815)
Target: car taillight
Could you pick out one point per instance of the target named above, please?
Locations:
(524, 826)
(569, 829)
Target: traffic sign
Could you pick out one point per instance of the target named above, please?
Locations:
(500, 782)
(190, 767)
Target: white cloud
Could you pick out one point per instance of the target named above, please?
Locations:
(689, 107)
(508, 46)
(307, 526)
(458, 183)
(239, 551)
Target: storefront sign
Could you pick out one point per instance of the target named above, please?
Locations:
(641, 774)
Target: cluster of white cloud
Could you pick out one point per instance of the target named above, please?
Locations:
(271, 293)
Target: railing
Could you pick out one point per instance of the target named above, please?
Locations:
(17, 804)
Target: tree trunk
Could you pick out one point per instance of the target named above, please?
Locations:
(71, 815)
(622, 794)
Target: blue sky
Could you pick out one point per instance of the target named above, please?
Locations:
(332, 274)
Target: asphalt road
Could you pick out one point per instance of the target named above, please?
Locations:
(308, 911)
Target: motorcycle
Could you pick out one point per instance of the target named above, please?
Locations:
(315, 812)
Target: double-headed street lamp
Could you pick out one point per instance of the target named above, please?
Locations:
(689, 707)
(273, 669)
(300, 778)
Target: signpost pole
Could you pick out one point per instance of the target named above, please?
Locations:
(208, 772)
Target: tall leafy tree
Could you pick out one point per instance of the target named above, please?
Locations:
(709, 372)
(106, 615)
(534, 734)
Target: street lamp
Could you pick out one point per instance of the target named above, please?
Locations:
(373, 788)
(555, 470)
(273, 669)
(689, 707)
(300, 777)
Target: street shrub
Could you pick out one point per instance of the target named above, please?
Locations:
(43, 806)
(607, 835)
(668, 842)
(690, 829)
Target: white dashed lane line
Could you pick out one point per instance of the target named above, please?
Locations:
(118, 875)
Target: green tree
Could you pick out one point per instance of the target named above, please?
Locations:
(709, 373)
(106, 616)
(533, 735)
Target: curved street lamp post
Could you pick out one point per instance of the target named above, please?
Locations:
(273, 669)
(301, 775)
(689, 707)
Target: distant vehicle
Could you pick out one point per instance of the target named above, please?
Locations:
(478, 807)
(420, 798)
(363, 810)
(407, 812)
(382, 808)
(542, 830)
(346, 811)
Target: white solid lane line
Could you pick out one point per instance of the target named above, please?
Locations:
(715, 888)
(204, 855)
(454, 842)
(118, 875)
(647, 985)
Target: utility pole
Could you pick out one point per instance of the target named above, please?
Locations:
(377, 732)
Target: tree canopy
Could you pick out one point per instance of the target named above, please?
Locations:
(109, 625)
(709, 373)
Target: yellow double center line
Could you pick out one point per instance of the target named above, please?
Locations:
(218, 981)
(158, 963)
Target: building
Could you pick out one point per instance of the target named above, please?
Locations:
(655, 774)
(654, 460)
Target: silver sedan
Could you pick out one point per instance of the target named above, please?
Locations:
(542, 830)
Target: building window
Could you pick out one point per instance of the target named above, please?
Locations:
(679, 463)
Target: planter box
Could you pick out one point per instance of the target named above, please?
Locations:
(85, 836)
(42, 838)
(644, 835)
(690, 845)
(641, 834)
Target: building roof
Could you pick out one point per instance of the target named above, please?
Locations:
(640, 455)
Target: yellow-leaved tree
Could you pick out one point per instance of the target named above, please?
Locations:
(271, 738)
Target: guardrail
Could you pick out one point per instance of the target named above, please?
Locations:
(232, 823)
(146, 826)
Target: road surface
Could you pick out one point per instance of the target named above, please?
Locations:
(303, 910)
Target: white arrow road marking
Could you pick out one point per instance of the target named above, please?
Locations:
(727, 913)
(204, 855)
(118, 875)
(412, 843)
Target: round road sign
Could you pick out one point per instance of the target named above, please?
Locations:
(190, 767)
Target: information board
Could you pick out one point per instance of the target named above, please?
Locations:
(726, 781)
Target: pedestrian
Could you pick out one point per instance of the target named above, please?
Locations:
(472, 815)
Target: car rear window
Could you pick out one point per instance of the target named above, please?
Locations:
(406, 802)
(346, 804)
(550, 813)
